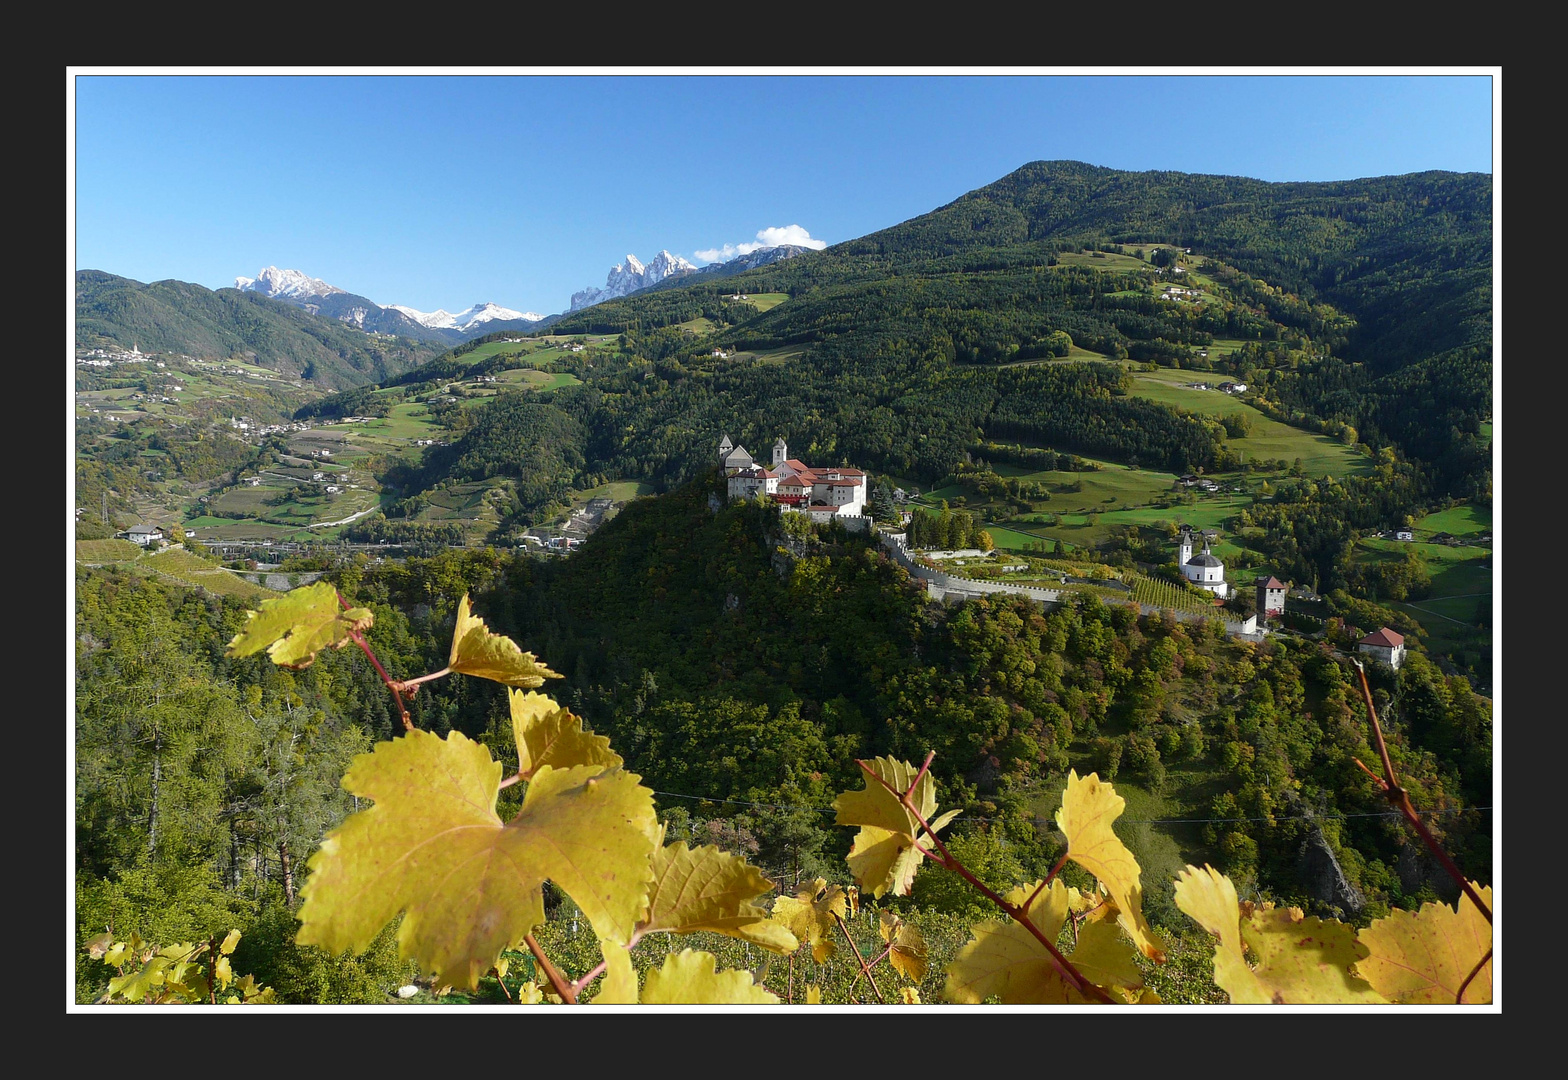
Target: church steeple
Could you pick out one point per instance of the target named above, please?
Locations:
(780, 452)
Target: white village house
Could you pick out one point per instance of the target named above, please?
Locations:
(824, 492)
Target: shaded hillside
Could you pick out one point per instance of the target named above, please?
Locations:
(179, 317)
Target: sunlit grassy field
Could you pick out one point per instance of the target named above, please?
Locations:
(1269, 439)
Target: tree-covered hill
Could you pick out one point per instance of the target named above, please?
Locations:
(179, 317)
(1386, 249)
(1332, 291)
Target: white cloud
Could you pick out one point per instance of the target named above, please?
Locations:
(766, 238)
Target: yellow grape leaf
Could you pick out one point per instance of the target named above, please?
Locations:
(809, 915)
(884, 857)
(1300, 960)
(1105, 957)
(469, 884)
(548, 734)
(688, 978)
(223, 972)
(910, 995)
(478, 652)
(813, 994)
(908, 952)
(229, 942)
(1004, 959)
(528, 994)
(619, 985)
(1423, 958)
(706, 889)
(1087, 811)
(294, 627)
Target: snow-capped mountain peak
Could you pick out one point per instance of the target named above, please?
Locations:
(441, 319)
(285, 284)
(631, 275)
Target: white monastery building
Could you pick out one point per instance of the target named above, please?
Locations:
(1204, 569)
(824, 492)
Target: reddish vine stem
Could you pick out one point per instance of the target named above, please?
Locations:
(865, 969)
(1038, 889)
(407, 685)
(212, 970)
(557, 981)
(1400, 800)
(1459, 998)
(392, 684)
(1020, 915)
(598, 969)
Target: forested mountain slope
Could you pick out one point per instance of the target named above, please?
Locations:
(187, 319)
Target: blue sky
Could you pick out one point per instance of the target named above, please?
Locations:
(446, 190)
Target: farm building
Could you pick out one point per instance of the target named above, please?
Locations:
(1384, 645)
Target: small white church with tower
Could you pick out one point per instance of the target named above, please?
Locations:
(1203, 569)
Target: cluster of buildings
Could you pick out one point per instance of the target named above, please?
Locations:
(1205, 570)
(823, 492)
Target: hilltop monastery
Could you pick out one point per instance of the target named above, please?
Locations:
(823, 492)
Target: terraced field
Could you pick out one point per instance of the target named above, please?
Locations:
(187, 569)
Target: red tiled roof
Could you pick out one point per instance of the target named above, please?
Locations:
(1384, 638)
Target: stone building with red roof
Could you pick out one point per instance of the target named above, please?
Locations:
(1384, 645)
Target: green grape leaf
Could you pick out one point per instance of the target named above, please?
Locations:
(1424, 957)
(433, 847)
(294, 627)
(809, 915)
(478, 652)
(619, 985)
(1299, 960)
(908, 952)
(1005, 960)
(1087, 811)
(547, 734)
(689, 978)
(137, 985)
(706, 889)
(884, 858)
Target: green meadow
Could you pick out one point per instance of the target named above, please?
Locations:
(617, 491)
(765, 301)
(1467, 519)
(1268, 440)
